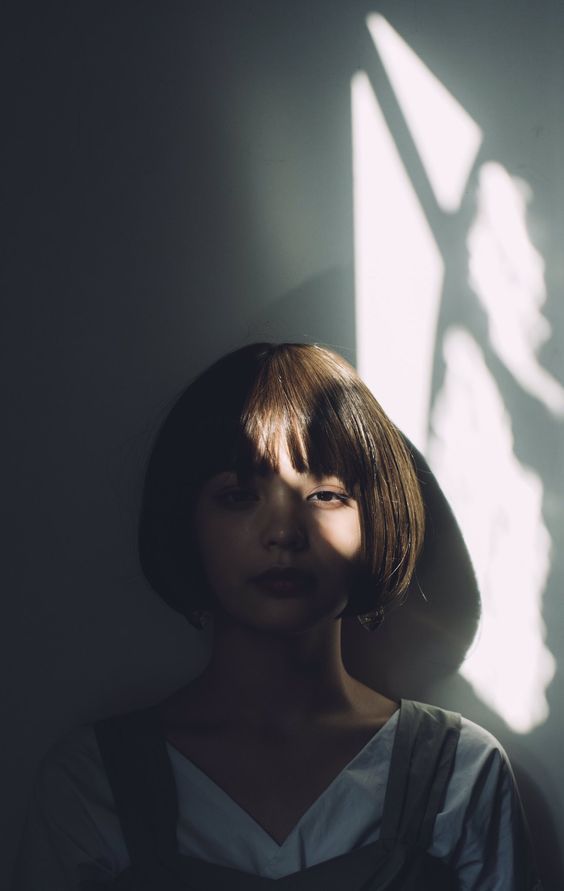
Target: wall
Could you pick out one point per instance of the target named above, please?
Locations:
(179, 181)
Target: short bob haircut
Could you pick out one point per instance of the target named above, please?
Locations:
(230, 418)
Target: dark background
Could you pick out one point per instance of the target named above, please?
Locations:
(176, 181)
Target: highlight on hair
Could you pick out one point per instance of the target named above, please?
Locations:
(232, 417)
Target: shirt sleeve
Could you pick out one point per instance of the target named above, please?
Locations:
(61, 844)
(493, 851)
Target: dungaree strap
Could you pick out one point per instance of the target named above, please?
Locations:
(136, 762)
(420, 767)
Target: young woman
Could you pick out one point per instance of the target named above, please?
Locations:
(278, 499)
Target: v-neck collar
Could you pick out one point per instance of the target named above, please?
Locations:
(187, 766)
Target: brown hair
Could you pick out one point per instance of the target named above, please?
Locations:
(229, 419)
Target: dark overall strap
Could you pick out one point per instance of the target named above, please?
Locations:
(420, 768)
(136, 762)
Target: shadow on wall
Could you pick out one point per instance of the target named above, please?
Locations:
(427, 638)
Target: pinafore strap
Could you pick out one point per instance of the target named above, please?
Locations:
(140, 775)
(420, 768)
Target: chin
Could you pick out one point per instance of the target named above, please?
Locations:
(280, 624)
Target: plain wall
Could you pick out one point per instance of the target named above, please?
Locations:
(178, 181)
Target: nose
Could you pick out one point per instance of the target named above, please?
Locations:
(283, 527)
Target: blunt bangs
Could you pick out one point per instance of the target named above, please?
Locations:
(297, 401)
(235, 416)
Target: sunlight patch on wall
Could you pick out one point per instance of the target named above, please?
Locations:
(398, 272)
(446, 137)
(498, 503)
(399, 278)
(507, 276)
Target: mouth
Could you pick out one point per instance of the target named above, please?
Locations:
(285, 582)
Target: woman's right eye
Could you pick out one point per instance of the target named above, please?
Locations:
(237, 497)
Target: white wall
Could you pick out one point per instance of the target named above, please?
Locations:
(180, 183)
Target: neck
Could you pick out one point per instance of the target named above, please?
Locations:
(277, 681)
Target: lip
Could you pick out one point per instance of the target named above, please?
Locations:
(285, 581)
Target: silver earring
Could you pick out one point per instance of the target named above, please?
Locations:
(199, 618)
(372, 621)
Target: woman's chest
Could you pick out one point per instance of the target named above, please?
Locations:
(275, 782)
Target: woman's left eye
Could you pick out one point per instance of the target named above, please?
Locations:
(326, 496)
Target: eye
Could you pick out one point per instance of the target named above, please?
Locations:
(236, 496)
(329, 498)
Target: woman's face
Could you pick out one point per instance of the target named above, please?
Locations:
(279, 552)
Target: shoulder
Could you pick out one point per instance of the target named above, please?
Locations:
(474, 741)
(479, 748)
(481, 776)
(482, 784)
(481, 793)
(477, 752)
(71, 780)
(72, 828)
(481, 828)
(75, 754)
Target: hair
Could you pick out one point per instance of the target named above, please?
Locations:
(230, 418)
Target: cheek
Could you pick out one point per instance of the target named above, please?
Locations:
(341, 536)
(222, 543)
(215, 555)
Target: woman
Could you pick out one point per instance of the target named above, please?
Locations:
(278, 499)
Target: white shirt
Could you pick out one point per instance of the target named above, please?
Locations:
(73, 831)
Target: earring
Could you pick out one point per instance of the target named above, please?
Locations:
(372, 621)
(199, 618)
